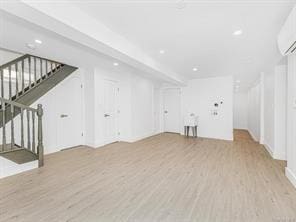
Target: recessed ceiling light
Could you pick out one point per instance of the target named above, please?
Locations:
(115, 64)
(38, 41)
(194, 69)
(30, 46)
(161, 51)
(238, 32)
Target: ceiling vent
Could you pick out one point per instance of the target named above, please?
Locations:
(287, 35)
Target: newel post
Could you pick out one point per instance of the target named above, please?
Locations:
(40, 148)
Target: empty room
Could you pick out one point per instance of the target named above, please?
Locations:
(148, 111)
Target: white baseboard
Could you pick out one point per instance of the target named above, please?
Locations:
(9, 168)
(273, 154)
(90, 143)
(279, 156)
(291, 176)
(253, 137)
(269, 150)
(99, 144)
(137, 138)
(240, 128)
(226, 138)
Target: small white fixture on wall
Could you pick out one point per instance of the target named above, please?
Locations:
(190, 120)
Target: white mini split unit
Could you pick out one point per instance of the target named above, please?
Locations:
(287, 35)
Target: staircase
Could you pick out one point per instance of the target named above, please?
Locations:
(23, 81)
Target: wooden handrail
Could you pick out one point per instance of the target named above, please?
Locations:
(9, 102)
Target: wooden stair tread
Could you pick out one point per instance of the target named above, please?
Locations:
(18, 155)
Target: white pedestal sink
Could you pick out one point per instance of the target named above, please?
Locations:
(190, 121)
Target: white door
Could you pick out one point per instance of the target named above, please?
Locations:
(172, 110)
(110, 112)
(69, 110)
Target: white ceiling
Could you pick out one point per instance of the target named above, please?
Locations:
(65, 19)
(16, 33)
(192, 34)
(200, 34)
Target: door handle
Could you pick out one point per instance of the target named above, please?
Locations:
(63, 115)
(106, 115)
(165, 111)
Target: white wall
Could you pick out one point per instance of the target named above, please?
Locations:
(269, 85)
(267, 111)
(157, 109)
(254, 111)
(7, 56)
(291, 120)
(8, 168)
(50, 102)
(142, 116)
(89, 107)
(280, 112)
(136, 102)
(199, 97)
(240, 110)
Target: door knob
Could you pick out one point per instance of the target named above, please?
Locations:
(106, 115)
(165, 111)
(63, 115)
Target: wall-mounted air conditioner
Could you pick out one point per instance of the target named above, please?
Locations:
(287, 35)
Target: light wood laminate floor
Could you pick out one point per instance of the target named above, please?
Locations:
(162, 178)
